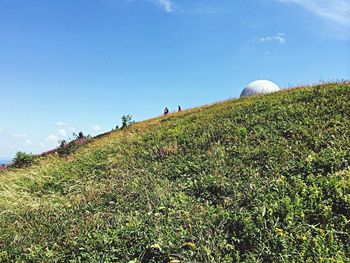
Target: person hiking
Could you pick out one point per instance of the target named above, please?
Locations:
(179, 108)
(166, 111)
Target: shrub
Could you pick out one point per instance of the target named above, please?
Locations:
(67, 148)
(23, 159)
(78, 136)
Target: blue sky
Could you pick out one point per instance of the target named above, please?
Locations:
(68, 66)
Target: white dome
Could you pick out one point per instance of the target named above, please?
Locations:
(259, 87)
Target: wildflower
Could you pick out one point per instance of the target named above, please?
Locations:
(189, 245)
(156, 246)
(280, 232)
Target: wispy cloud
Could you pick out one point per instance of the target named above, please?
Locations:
(335, 10)
(65, 128)
(52, 138)
(208, 10)
(97, 128)
(28, 142)
(62, 132)
(167, 5)
(19, 135)
(279, 38)
(61, 123)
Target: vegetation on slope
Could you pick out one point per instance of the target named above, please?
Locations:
(256, 179)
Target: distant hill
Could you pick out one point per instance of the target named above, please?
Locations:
(259, 179)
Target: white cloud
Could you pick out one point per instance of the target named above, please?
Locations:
(97, 128)
(335, 10)
(61, 123)
(167, 5)
(65, 128)
(52, 138)
(28, 142)
(280, 38)
(19, 135)
(62, 132)
(208, 10)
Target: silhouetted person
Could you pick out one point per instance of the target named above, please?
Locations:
(179, 108)
(166, 111)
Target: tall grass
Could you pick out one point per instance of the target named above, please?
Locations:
(259, 179)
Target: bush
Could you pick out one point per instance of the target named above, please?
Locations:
(23, 159)
(68, 147)
(78, 136)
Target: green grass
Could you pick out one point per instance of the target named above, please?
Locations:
(258, 179)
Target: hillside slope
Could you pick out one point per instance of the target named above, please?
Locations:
(256, 179)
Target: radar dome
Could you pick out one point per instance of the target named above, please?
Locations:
(259, 87)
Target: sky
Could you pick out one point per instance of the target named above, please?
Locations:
(70, 65)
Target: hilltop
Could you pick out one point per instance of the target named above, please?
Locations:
(257, 179)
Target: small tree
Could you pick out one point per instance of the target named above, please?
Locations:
(80, 135)
(62, 143)
(23, 159)
(126, 121)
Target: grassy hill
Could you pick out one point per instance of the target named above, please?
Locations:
(258, 179)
